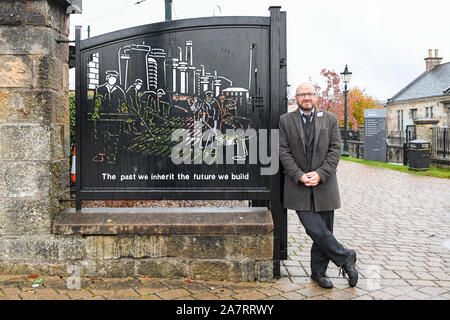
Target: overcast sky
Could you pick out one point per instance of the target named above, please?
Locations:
(384, 42)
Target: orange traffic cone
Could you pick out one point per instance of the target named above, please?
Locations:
(73, 172)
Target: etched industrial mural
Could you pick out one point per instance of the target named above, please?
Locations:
(154, 91)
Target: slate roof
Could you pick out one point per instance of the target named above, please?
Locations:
(435, 82)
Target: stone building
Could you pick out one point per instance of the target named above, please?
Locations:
(425, 98)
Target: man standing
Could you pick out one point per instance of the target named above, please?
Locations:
(310, 148)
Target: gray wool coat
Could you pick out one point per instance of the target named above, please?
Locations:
(326, 155)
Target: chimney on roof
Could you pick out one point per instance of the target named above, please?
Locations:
(431, 61)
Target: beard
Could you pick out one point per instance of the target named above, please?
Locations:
(307, 109)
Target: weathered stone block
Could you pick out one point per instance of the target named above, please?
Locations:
(32, 106)
(24, 142)
(24, 179)
(221, 247)
(47, 268)
(24, 40)
(16, 71)
(117, 247)
(70, 248)
(60, 108)
(170, 221)
(58, 141)
(264, 270)
(57, 18)
(25, 217)
(108, 268)
(41, 247)
(251, 247)
(60, 176)
(50, 72)
(163, 267)
(12, 13)
(203, 247)
(36, 13)
(223, 270)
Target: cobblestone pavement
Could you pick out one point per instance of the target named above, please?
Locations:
(398, 223)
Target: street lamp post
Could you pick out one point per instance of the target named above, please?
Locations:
(346, 75)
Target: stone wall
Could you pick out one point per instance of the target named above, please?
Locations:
(34, 118)
(394, 152)
(198, 243)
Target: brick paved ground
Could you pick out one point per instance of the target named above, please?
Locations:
(398, 223)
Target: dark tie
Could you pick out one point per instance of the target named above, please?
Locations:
(308, 121)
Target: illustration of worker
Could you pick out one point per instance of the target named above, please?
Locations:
(134, 107)
(109, 101)
(162, 106)
(133, 96)
(148, 105)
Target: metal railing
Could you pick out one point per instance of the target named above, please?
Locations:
(352, 135)
(440, 144)
(395, 137)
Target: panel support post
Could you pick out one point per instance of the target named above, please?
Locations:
(78, 114)
(278, 106)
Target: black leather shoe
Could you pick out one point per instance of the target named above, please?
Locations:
(322, 280)
(349, 267)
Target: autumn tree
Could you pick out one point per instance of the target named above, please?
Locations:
(360, 101)
(332, 97)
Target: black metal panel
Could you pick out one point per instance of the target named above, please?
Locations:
(135, 87)
(174, 26)
(130, 98)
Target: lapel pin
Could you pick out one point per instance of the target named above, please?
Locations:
(320, 114)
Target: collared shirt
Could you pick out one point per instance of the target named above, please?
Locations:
(303, 118)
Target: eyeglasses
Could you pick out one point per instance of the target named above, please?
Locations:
(308, 94)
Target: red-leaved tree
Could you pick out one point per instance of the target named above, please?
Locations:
(332, 97)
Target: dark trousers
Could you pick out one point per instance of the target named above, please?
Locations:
(325, 247)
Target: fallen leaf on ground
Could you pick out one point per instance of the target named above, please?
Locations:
(32, 276)
(38, 281)
(189, 280)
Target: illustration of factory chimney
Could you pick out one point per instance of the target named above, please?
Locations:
(182, 68)
(250, 68)
(191, 76)
(152, 73)
(172, 65)
(198, 74)
(189, 57)
(159, 56)
(217, 83)
(204, 81)
(130, 58)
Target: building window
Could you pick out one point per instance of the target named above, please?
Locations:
(429, 112)
(400, 120)
(414, 114)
